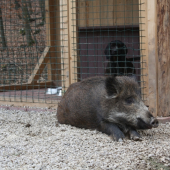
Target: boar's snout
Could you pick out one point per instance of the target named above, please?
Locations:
(154, 122)
(147, 122)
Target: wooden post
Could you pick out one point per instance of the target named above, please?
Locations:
(72, 40)
(53, 40)
(148, 31)
(163, 35)
(48, 37)
(64, 27)
(143, 32)
(152, 56)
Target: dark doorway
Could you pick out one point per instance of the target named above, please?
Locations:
(92, 43)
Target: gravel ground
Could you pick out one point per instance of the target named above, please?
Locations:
(35, 140)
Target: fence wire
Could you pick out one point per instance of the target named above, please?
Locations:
(44, 42)
(109, 39)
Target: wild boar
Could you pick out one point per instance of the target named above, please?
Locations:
(112, 105)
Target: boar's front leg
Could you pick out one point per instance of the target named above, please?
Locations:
(112, 130)
(134, 135)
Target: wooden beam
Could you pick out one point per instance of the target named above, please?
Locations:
(72, 22)
(163, 35)
(29, 101)
(53, 40)
(26, 86)
(152, 56)
(148, 39)
(39, 66)
(93, 13)
(48, 37)
(64, 45)
(120, 27)
(143, 32)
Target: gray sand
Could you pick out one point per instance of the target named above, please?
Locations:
(35, 140)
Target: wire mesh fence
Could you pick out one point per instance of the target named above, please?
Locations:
(109, 38)
(46, 45)
(23, 39)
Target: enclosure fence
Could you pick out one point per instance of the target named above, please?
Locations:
(46, 45)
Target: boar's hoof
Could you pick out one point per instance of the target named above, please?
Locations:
(134, 135)
(118, 135)
(112, 130)
(118, 138)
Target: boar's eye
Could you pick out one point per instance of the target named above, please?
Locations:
(129, 100)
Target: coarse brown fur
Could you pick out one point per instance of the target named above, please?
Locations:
(112, 105)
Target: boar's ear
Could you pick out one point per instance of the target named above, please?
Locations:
(112, 87)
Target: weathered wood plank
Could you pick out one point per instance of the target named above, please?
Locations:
(73, 38)
(107, 13)
(39, 66)
(131, 12)
(163, 28)
(53, 40)
(24, 101)
(143, 32)
(64, 44)
(52, 104)
(152, 56)
(26, 86)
